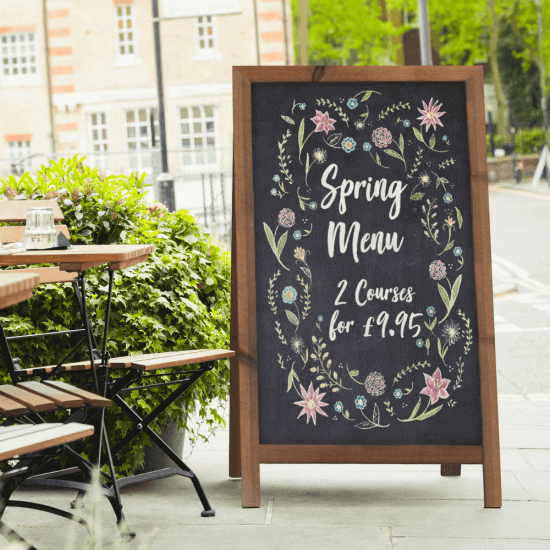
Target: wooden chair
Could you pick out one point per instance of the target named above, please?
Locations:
(25, 400)
(32, 446)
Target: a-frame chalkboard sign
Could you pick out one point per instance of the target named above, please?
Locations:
(362, 311)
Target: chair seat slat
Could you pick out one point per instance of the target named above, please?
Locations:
(60, 398)
(31, 401)
(184, 358)
(9, 407)
(89, 398)
(43, 436)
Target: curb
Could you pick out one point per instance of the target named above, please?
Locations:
(503, 289)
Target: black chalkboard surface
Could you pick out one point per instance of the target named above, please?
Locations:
(361, 257)
(364, 264)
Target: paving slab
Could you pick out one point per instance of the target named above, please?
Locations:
(536, 485)
(418, 543)
(539, 459)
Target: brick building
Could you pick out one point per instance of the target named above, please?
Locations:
(79, 77)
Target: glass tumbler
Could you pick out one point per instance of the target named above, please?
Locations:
(40, 229)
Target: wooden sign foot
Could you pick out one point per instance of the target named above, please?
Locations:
(450, 469)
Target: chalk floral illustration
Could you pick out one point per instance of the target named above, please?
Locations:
(451, 332)
(348, 145)
(311, 404)
(448, 198)
(360, 402)
(338, 406)
(436, 386)
(353, 103)
(431, 114)
(289, 295)
(430, 310)
(323, 122)
(438, 270)
(375, 383)
(367, 146)
(381, 137)
(398, 394)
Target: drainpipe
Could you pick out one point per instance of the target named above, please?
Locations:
(48, 74)
(256, 25)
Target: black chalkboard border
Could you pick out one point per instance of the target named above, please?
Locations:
(246, 453)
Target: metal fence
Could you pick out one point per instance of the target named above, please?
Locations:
(202, 178)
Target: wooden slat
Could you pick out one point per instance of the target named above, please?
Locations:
(33, 402)
(81, 254)
(370, 454)
(43, 436)
(16, 287)
(16, 211)
(9, 407)
(185, 358)
(78, 266)
(16, 298)
(126, 361)
(89, 398)
(60, 398)
(15, 234)
(68, 367)
(51, 275)
(116, 266)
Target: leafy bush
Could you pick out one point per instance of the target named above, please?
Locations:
(179, 299)
(528, 141)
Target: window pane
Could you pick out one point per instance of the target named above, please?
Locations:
(130, 48)
(209, 19)
(122, 50)
(119, 11)
(142, 115)
(200, 19)
(186, 143)
(197, 127)
(210, 142)
(121, 36)
(201, 44)
(143, 131)
(104, 133)
(131, 131)
(102, 118)
(94, 119)
(185, 128)
(94, 135)
(96, 147)
(130, 36)
(198, 143)
(210, 31)
(144, 145)
(24, 70)
(33, 69)
(209, 111)
(201, 31)
(121, 24)
(210, 127)
(129, 23)
(196, 112)
(129, 116)
(132, 145)
(128, 10)
(210, 43)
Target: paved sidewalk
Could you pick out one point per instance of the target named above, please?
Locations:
(368, 507)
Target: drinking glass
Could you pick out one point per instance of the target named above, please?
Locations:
(40, 229)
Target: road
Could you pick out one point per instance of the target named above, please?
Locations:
(520, 241)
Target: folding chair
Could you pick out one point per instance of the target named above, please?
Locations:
(32, 446)
(49, 395)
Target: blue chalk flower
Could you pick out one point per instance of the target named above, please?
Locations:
(419, 343)
(367, 146)
(302, 106)
(274, 192)
(444, 138)
(448, 198)
(430, 311)
(457, 251)
(338, 406)
(360, 402)
(297, 234)
(320, 318)
(289, 295)
(277, 178)
(352, 103)
(348, 144)
(398, 394)
(313, 205)
(406, 123)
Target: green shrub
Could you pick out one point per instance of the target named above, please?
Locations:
(179, 299)
(528, 141)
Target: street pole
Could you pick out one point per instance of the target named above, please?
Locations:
(165, 182)
(542, 70)
(424, 31)
(303, 31)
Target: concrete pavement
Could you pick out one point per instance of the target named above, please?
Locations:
(373, 507)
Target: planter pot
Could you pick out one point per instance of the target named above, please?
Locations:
(155, 459)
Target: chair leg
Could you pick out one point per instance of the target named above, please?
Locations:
(11, 536)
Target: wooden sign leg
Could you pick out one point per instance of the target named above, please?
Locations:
(234, 402)
(450, 469)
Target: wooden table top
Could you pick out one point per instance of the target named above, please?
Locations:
(16, 287)
(105, 253)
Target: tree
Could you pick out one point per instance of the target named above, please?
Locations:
(351, 32)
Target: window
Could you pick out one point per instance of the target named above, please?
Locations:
(18, 150)
(98, 140)
(139, 138)
(206, 45)
(18, 54)
(198, 134)
(125, 31)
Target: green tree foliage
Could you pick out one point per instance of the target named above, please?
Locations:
(351, 32)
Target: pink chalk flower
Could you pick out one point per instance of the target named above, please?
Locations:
(287, 217)
(381, 137)
(323, 122)
(312, 403)
(430, 114)
(436, 386)
(438, 270)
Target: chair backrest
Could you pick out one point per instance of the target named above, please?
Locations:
(16, 211)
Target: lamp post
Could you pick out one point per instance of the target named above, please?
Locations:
(424, 31)
(165, 181)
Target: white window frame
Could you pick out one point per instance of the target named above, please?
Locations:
(99, 144)
(125, 59)
(206, 52)
(18, 149)
(141, 158)
(16, 50)
(198, 161)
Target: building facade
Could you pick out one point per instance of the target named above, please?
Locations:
(80, 77)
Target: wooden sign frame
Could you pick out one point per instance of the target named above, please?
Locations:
(246, 453)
